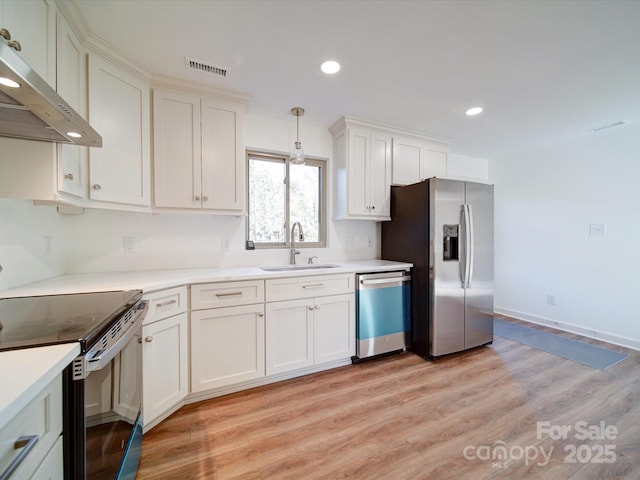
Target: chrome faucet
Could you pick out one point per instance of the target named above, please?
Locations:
(294, 252)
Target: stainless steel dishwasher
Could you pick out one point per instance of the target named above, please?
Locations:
(383, 313)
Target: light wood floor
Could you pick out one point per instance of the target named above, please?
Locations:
(402, 417)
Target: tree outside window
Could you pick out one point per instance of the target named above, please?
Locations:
(281, 194)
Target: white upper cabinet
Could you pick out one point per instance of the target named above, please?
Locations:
(362, 172)
(119, 110)
(369, 158)
(72, 167)
(198, 153)
(33, 24)
(415, 159)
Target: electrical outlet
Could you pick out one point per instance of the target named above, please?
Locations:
(551, 299)
(597, 229)
(129, 244)
(348, 241)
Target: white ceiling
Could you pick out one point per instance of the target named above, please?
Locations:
(542, 70)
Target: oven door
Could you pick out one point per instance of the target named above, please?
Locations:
(102, 418)
(113, 414)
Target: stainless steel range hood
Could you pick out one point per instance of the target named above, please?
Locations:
(34, 110)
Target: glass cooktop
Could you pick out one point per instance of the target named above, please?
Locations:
(51, 319)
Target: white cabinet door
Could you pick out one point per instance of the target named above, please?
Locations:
(415, 159)
(358, 171)
(72, 86)
(198, 152)
(380, 176)
(177, 150)
(165, 361)
(32, 23)
(289, 335)
(407, 158)
(369, 174)
(434, 163)
(334, 328)
(227, 346)
(223, 163)
(119, 110)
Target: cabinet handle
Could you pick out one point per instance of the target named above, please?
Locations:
(260, 314)
(68, 176)
(317, 307)
(96, 186)
(166, 304)
(310, 307)
(26, 443)
(197, 198)
(373, 207)
(148, 339)
(205, 199)
(315, 285)
(228, 294)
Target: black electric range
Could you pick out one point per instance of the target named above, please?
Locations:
(53, 319)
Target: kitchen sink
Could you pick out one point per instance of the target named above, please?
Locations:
(288, 268)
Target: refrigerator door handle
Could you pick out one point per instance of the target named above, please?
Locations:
(467, 245)
(471, 246)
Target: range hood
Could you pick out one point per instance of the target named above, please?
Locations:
(33, 110)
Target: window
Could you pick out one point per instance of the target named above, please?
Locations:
(281, 194)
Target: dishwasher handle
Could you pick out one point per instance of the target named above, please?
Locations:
(385, 281)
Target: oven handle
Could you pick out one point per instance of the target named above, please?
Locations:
(100, 361)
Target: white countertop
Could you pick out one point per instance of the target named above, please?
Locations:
(152, 280)
(25, 373)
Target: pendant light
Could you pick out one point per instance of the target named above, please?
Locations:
(297, 155)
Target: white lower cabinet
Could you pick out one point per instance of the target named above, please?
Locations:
(165, 365)
(289, 335)
(334, 327)
(312, 331)
(52, 467)
(165, 354)
(227, 333)
(227, 346)
(40, 419)
(314, 323)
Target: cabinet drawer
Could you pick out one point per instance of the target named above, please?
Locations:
(42, 417)
(226, 294)
(307, 287)
(165, 304)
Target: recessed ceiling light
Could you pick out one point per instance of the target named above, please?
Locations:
(7, 82)
(474, 111)
(330, 67)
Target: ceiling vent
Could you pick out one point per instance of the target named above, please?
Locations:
(199, 66)
(610, 125)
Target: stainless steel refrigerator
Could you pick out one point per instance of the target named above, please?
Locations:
(445, 228)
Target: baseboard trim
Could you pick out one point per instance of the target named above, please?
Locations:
(571, 328)
(220, 391)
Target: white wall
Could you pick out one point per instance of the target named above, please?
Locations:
(23, 246)
(93, 242)
(545, 201)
